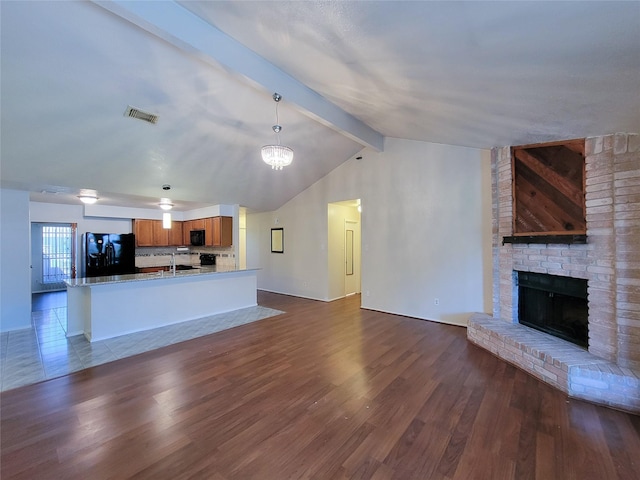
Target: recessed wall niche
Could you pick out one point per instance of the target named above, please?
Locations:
(548, 189)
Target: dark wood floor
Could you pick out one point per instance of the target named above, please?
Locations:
(325, 391)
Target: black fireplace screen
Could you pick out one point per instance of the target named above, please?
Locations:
(555, 305)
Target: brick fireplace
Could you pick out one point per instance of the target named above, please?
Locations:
(609, 372)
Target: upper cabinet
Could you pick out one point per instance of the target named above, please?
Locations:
(150, 233)
(143, 230)
(175, 234)
(186, 232)
(198, 224)
(218, 232)
(160, 234)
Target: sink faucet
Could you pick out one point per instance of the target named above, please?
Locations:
(172, 265)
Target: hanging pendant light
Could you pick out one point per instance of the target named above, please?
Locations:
(166, 220)
(166, 205)
(278, 156)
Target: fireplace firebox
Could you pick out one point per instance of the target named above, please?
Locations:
(555, 305)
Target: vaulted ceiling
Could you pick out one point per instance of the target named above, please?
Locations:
(477, 74)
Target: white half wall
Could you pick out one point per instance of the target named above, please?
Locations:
(107, 310)
(425, 229)
(15, 259)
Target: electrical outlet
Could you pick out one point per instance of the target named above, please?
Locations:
(436, 301)
(367, 293)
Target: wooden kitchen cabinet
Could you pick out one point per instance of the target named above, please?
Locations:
(149, 233)
(186, 232)
(152, 269)
(226, 231)
(143, 230)
(219, 231)
(208, 231)
(198, 224)
(160, 234)
(176, 238)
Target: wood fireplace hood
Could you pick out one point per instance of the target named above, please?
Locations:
(548, 193)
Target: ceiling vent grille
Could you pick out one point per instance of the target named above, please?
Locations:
(140, 115)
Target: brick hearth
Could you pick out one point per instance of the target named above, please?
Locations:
(610, 262)
(561, 364)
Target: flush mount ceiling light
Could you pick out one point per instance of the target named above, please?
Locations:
(88, 198)
(278, 156)
(165, 204)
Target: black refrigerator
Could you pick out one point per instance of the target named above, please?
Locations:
(109, 254)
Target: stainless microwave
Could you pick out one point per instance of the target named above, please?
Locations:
(197, 238)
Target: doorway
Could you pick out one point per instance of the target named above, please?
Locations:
(344, 248)
(52, 256)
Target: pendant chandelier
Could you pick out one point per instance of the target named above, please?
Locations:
(278, 156)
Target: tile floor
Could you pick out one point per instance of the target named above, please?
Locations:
(43, 351)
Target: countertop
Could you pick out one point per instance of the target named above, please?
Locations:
(138, 277)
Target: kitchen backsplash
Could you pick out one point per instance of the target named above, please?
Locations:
(161, 256)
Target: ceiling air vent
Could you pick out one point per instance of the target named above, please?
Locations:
(140, 115)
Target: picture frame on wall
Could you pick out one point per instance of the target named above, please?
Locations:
(277, 240)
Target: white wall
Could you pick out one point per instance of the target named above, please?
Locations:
(108, 211)
(15, 274)
(242, 238)
(425, 226)
(62, 213)
(302, 269)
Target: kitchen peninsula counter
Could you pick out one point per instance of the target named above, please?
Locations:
(110, 306)
(159, 275)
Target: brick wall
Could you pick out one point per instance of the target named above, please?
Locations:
(601, 238)
(610, 261)
(626, 202)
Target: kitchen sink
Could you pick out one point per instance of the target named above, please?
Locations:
(165, 272)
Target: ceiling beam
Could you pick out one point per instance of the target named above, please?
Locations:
(187, 31)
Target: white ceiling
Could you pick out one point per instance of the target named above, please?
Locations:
(477, 74)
